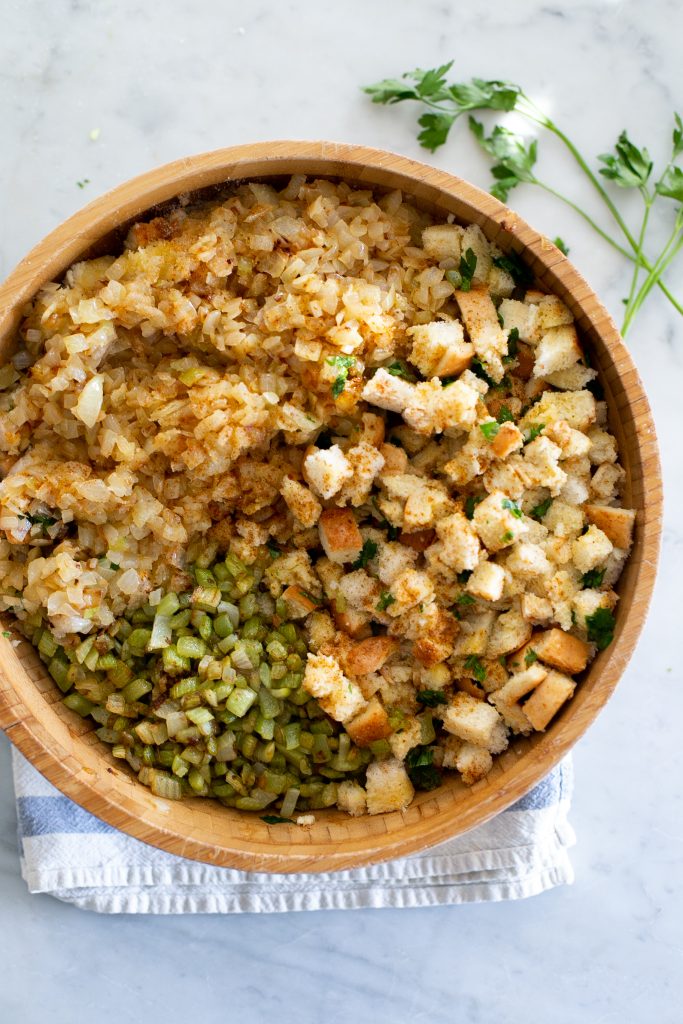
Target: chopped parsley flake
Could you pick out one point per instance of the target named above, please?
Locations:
(540, 510)
(530, 657)
(600, 626)
(343, 364)
(464, 600)
(593, 579)
(430, 698)
(273, 549)
(368, 551)
(6, 633)
(470, 505)
(401, 369)
(512, 507)
(517, 270)
(420, 767)
(468, 266)
(83, 183)
(384, 601)
(489, 430)
(534, 430)
(473, 664)
(507, 537)
(505, 416)
(275, 819)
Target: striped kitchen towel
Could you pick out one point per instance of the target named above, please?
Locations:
(70, 854)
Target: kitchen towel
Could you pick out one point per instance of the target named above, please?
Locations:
(70, 854)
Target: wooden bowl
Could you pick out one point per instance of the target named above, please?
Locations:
(65, 749)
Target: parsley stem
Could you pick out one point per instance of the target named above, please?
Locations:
(582, 213)
(670, 251)
(648, 199)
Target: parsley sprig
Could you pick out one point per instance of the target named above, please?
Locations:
(515, 156)
(342, 364)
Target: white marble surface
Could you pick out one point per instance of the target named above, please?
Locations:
(163, 80)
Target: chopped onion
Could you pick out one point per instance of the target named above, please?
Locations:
(89, 403)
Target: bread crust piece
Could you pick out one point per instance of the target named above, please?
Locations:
(616, 523)
(369, 655)
(388, 787)
(561, 650)
(371, 724)
(339, 535)
(548, 698)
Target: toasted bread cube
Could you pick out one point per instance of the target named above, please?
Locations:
(393, 559)
(602, 446)
(587, 602)
(548, 698)
(535, 609)
(409, 589)
(558, 349)
(606, 481)
(474, 238)
(481, 320)
(358, 590)
(616, 523)
(369, 655)
(590, 549)
(295, 596)
(473, 763)
(402, 742)
(552, 312)
(510, 631)
(372, 431)
(351, 798)
(562, 651)
(495, 522)
(369, 725)
(509, 439)
(354, 622)
(576, 407)
(528, 560)
(475, 631)
(337, 695)
(434, 408)
(513, 716)
(388, 392)
(521, 317)
(442, 241)
(366, 463)
(302, 504)
(520, 684)
(339, 535)
(520, 660)
(576, 378)
(395, 460)
(424, 506)
(320, 630)
(327, 470)
(436, 631)
(474, 721)
(486, 581)
(439, 348)
(541, 465)
(461, 547)
(417, 540)
(388, 787)
(500, 283)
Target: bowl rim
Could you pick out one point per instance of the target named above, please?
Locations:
(264, 850)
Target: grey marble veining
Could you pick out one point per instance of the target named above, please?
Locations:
(162, 81)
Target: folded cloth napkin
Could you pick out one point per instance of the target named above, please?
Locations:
(70, 854)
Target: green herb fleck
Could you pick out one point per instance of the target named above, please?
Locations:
(471, 503)
(273, 550)
(507, 537)
(384, 601)
(420, 767)
(401, 369)
(489, 430)
(463, 576)
(114, 566)
(540, 510)
(83, 183)
(464, 600)
(505, 416)
(275, 819)
(343, 364)
(534, 430)
(593, 579)
(473, 664)
(6, 633)
(600, 626)
(517, 270)
(430, 698)
(562, 246)
(530, 657)
(512, 507)
(468, 266)
(368, 551)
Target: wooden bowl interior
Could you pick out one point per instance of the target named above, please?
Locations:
(64, 748)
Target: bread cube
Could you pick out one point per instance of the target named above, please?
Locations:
(528, 560)
(513, 716)
(574, 379)
(409, 589)
(561, 650)
(509, 439)
(576, 407)
(351, 798)
(402, 742)
(425, 506)
(338, 696)
(434, 633)
(474, 763)
(474, 238)
(358, 591)
(535, 609)
(393, 559)
(586, 603)
(606, 482)
(510, 631)
(520, 684)
(302, 504)
(590, 549)
(496, 523)
(434, 408)
(552, 312)
(548, 698)
(365, 462)
(443, 241)
(563, 519)
(388, 392)
(369, 725)
(388, 787)
(439, 348)
(395, 459)
(326, 470)
(572, 443)
(558, 349)
(320, 630)
(474, 634)
(521, 317)
(541, 465)
(339, 535)
(616, 523)
(486, 581)
(369, 655)
(500, 284)
(603, 447)
(481, 320)
(474, 721)
(460, 542)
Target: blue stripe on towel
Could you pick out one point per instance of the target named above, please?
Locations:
(49, 815)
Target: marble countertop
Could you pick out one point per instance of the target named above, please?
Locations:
(161, 81)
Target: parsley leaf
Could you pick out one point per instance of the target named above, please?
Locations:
(507, 537)
(83, 183)
(6, 633)
(368, 551)
(490, 429)
(430, 698)
(518, 271)
(534, 430)
(600, 626)
(473, 664)
(471, 503)
(540, 510)
(275, 819)
(513, 339)
(419, 764)
(413, 85)
(385, 600)
(677, 137)
(401, 369)
(561, 245)
(671, 184)
(513, 507)
(515, 158)
(479, 94)
(114, 566)
(343, 364)
(504, 415)
(273, 549)
(468, 266)
(530, 657)
(628, 166)
(435, 129)
(593, 579)
(465, 600)
(462, 577)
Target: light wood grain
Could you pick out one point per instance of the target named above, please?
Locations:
(63, 747)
